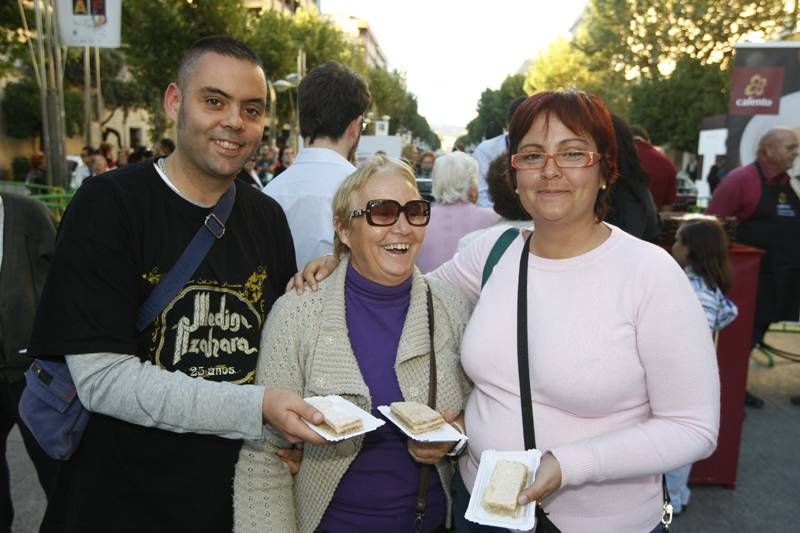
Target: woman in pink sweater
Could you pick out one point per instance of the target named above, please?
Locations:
(623, 372)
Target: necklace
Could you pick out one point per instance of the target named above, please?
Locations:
(162, 164)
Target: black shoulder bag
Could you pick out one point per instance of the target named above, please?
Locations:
(543, 523)
(50, 406)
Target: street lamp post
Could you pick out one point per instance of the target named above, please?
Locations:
(287, 85)
(273, 119)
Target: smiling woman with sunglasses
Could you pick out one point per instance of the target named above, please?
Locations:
(366, 336)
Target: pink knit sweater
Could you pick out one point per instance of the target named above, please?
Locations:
(624, 375)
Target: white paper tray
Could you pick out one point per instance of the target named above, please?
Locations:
(475, 511)
(369, 422)
(444, 433)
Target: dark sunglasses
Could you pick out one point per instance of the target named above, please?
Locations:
(386, 212)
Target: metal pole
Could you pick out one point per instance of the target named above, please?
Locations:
(28, 41)
(294, 132)
(100, 105)
(43, 86)
(87, 96)
(56, 97)
(273, 120)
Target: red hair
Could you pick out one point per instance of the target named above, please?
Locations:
(581, 112)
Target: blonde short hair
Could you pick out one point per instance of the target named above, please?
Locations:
(344, 201)
(453, 175)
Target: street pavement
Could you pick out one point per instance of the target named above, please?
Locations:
(766, 498)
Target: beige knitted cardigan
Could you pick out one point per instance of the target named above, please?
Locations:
(305, 347)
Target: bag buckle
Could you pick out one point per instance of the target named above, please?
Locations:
(419, 520)
(41, 373)
(666, 517)
(214, 225)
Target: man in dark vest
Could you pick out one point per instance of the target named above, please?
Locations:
(27, 236)
(767, 209)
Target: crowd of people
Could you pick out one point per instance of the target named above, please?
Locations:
(525, 289)
(96, 161)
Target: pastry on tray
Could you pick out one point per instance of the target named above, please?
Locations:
(508, 479)
(416, 417)
(337, 419)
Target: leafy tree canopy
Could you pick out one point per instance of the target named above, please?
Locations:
(493, 106)
(23, 113)
(671, 109)
(137, 74)
(642, 37)
(564, 66)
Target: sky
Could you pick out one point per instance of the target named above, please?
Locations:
(452, 50)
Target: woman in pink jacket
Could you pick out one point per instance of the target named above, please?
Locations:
(622, 369)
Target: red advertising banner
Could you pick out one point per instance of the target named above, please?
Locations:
(756, 91)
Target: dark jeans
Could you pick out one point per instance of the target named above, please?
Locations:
(461, 501)
(46, 467)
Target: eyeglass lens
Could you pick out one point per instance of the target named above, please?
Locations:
(573, 158)
(386, 212)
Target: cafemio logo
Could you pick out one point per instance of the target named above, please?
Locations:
(756, 90)
(756, 86)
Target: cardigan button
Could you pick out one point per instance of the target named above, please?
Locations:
(345, 448)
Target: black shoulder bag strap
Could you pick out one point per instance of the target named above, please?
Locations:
(213, 228)
(425, 470)
(543, 523)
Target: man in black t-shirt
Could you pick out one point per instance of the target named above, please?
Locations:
(170, 404)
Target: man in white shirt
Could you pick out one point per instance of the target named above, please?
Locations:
(83, 171)
(332, 101)
(488, 151)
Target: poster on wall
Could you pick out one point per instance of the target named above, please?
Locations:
(765, 93)
(89, 22)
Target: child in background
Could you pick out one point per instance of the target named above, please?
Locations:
(701, 248)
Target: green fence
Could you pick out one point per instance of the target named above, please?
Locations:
(55, 198)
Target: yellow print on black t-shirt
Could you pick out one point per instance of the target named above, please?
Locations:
(211, 330)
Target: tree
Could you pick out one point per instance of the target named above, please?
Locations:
(564, 66)
(157, 32)
(12, 37)
(644, 38)
(322, 41)
(671, 109)
(271, 39)
(23, 113)
(120, 91)
(493, 106)
(389, 95)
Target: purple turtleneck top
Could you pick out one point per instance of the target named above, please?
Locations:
(379, 490)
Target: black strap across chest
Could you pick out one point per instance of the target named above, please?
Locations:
(425, 470)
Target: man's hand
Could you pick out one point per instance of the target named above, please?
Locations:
(315, 271)
(547, 481)
(283, 408)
